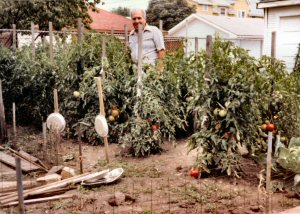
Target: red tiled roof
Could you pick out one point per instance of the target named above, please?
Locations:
(104, 21)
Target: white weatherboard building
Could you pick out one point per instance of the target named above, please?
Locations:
(246, 33)
(282, 17)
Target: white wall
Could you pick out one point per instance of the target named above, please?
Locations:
(274, 17)
(200, 29)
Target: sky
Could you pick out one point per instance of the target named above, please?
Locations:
(111, 4)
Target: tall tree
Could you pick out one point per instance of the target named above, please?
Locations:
(62, 13)
(123, 11)
(171, 12)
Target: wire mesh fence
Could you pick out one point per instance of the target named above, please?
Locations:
(151, 185)
(190, 44)
(142, 191)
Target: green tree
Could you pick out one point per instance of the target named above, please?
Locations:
(171, 12)
(62, 13)
(123, 11)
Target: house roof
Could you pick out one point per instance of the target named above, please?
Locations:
(104, 21)
(253, 11)
(277, 3)
(240, 27)
(223, 3)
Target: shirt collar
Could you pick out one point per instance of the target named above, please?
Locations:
(147, 28)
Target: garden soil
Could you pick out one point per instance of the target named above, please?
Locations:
(158, 183)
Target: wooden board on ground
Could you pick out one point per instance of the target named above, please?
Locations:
(28, 156)
(25, 165)
(6, 186)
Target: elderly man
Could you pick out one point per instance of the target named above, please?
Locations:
(153, 50)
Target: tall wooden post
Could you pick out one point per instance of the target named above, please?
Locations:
(126, 34)
(79, 30)
(51, 41)
(3, 128)
(14, 120)
(209, 45)
(140, 59)
(14, 38)
(112, 31)
(32, 40)
(20, 185)
(273, 47)
(196, 45)
(161, 25)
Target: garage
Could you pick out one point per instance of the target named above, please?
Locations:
(288, 39)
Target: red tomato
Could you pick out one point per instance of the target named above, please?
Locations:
(194, 172)
(270, 127)
(227, 134)
(155, 127)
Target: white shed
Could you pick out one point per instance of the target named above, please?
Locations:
(282, 17)
(244, 32)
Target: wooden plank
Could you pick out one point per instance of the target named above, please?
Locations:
(25, 165)
(28, 156)
(7, 186)
(49, 187)
(39, 200)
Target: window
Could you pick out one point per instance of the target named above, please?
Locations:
(205, 7)
(222, 11)
(241, 14)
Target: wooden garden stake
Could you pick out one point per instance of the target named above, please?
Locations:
(14, 38)
(51, 41)
(273, 46)
(209, 46)
(80, 147)
(14, 120)
(20, 186)
(3, 129)
(79, 30)
(196, 45)
(32, 40)
(269, 167)
(126, 34)
(140, 60)
(161, 25)
(102, 112)
(57, 135)
(103, 56)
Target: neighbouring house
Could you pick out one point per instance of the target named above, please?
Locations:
(282, 17)
(232, 8)
(106, 22)
(246, 33)
(102, 22)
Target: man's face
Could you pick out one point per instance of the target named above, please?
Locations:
(137, 18)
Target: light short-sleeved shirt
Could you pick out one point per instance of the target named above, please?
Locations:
(153, 41)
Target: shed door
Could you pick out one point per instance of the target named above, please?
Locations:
(288, 40)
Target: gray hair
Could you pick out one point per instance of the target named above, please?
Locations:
(138, 10)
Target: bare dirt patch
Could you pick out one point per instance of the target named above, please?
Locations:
(156, 184)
